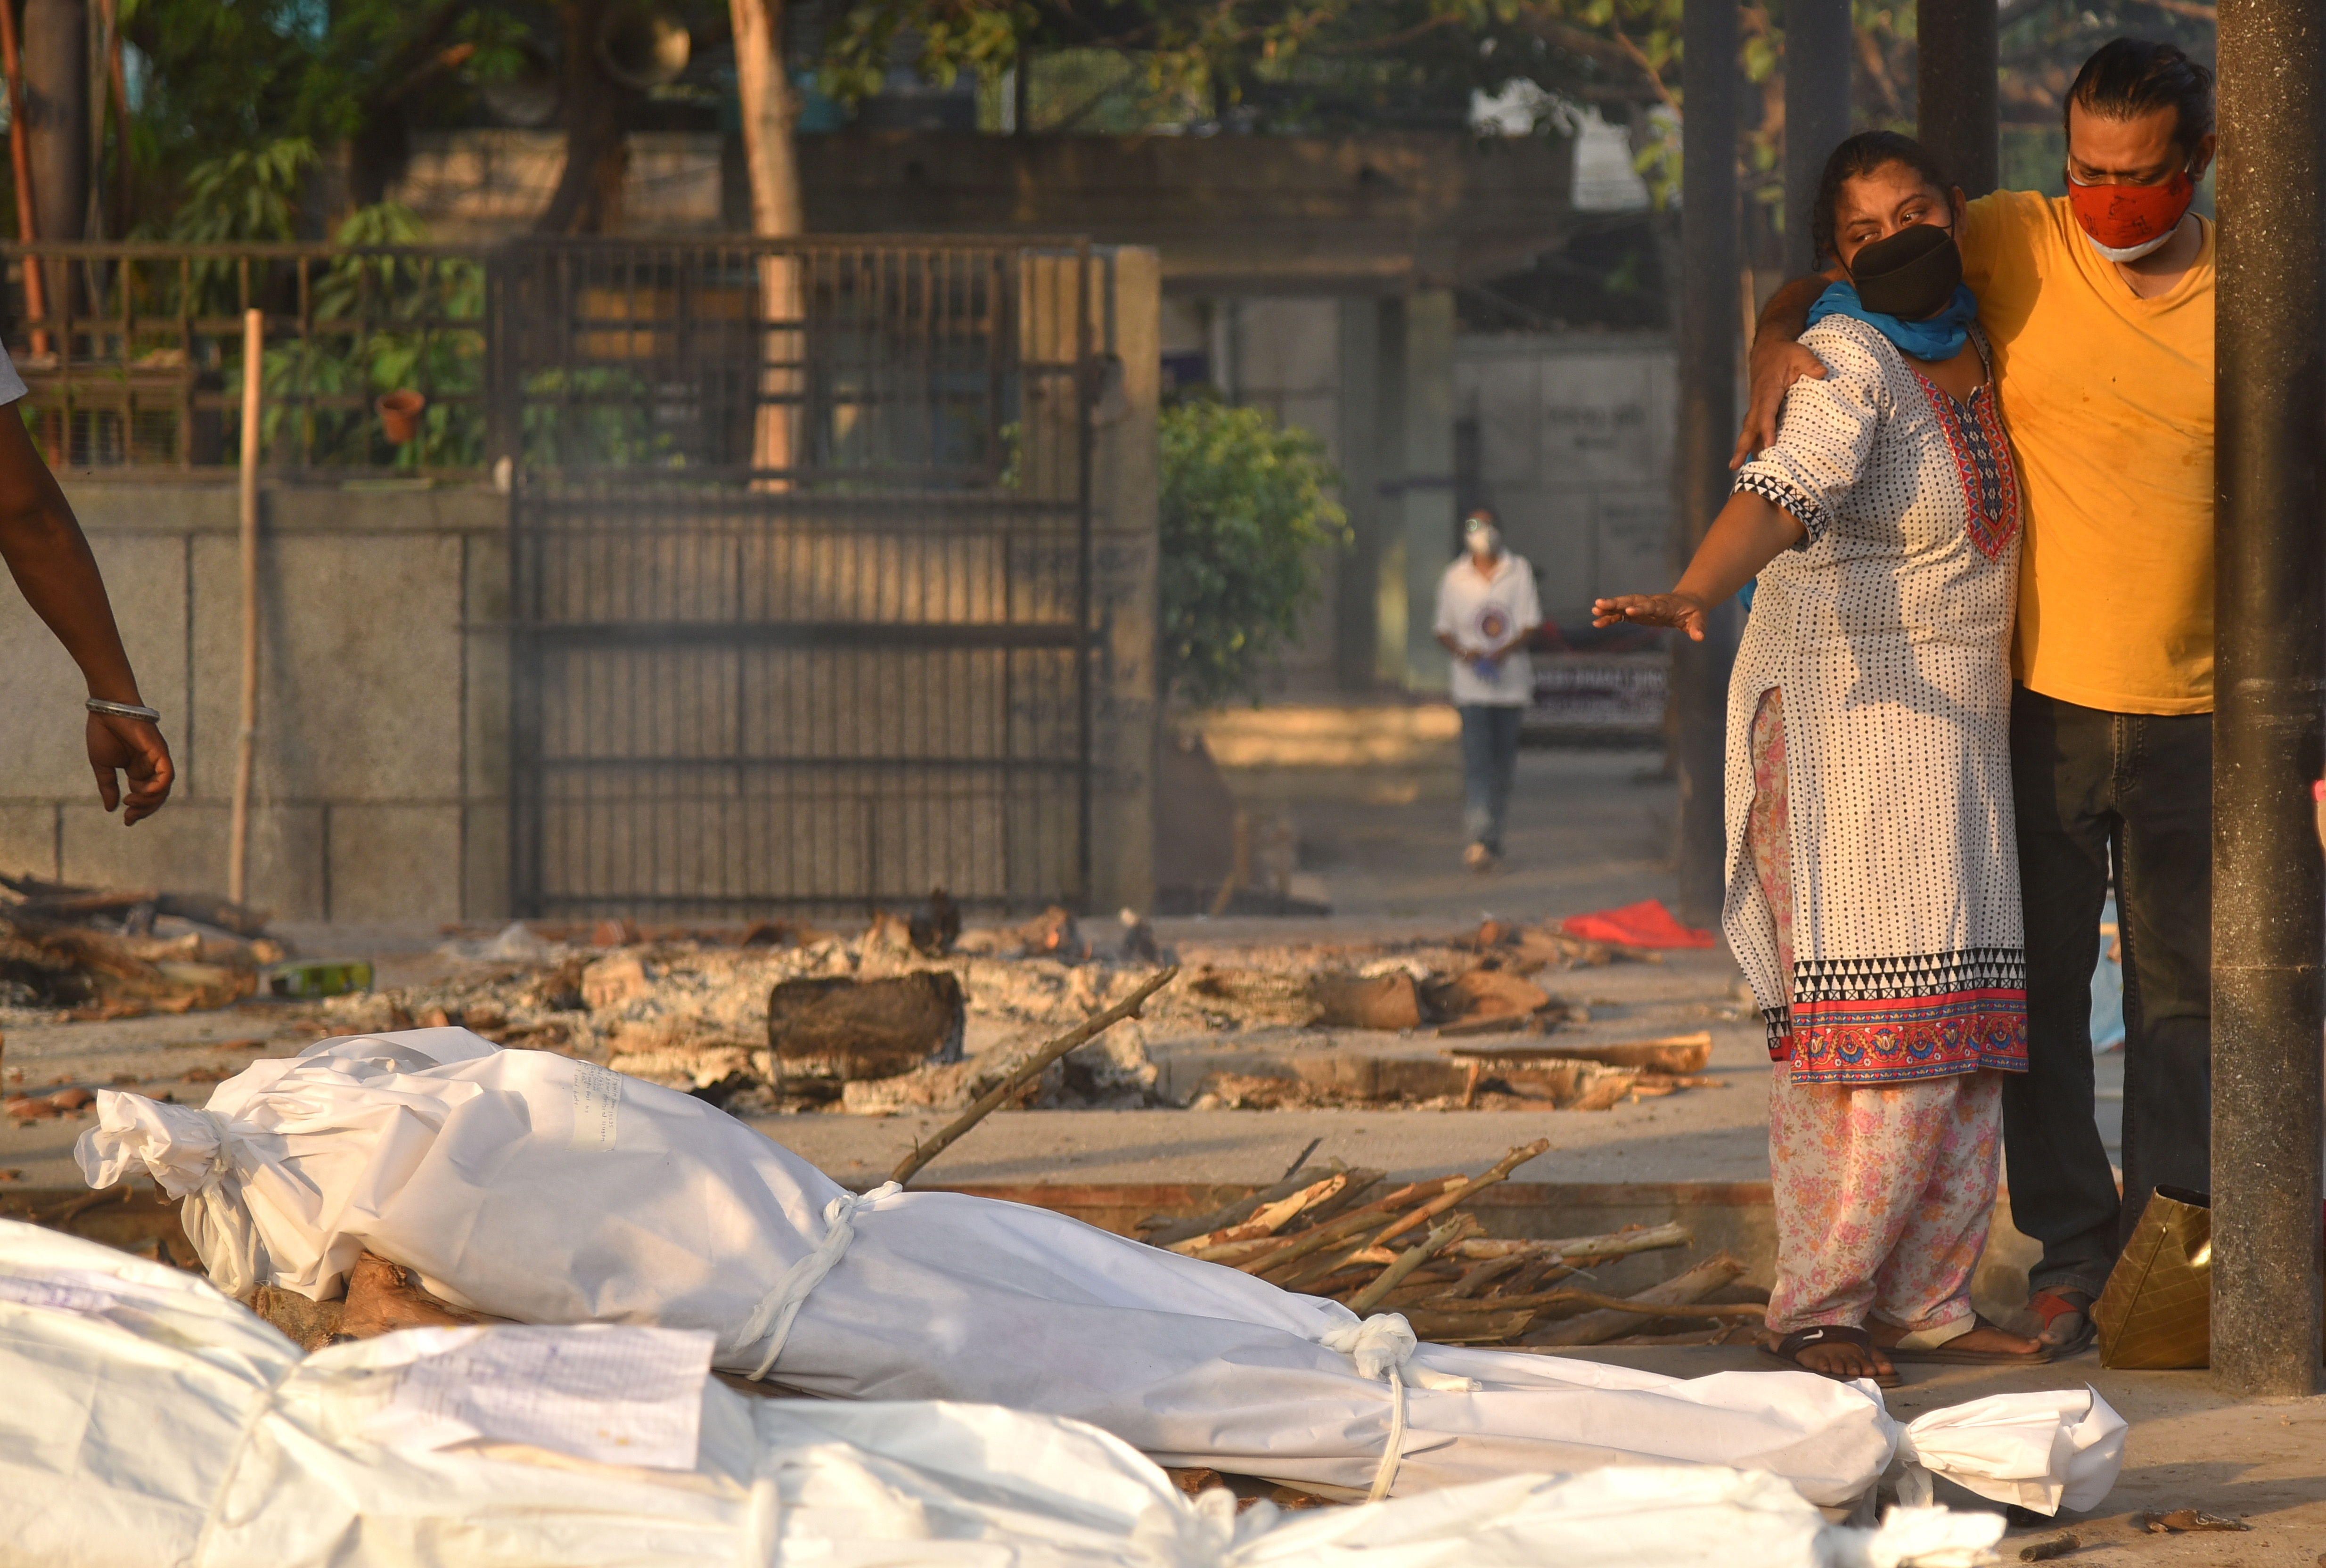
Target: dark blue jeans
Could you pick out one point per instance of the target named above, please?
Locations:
(1490, 768)
(2094, 788)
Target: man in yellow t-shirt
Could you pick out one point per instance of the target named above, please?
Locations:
(2100, 306)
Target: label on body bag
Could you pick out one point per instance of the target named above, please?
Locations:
(597, 1100)
(612, 1393)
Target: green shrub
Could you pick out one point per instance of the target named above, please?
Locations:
(1247, 509)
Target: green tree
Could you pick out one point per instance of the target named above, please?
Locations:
(1247, 509)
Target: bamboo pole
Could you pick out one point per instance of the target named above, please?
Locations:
(20, 163)
(1025, 1071)
(254, 360)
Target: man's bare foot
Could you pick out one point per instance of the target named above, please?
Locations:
(1984, 1340)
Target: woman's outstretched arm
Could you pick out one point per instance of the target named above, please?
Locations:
(1747, 535)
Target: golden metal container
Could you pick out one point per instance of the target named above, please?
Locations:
(2157, 1311)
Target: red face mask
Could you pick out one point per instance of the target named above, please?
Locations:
(2131, 217)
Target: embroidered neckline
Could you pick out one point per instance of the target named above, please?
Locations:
(1982, 455)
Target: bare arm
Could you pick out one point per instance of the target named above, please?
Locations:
(1748, 535)
(50, 558)
(1779, 360)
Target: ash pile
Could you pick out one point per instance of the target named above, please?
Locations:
(919, 1013)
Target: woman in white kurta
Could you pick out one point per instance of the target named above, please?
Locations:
(1872, 893)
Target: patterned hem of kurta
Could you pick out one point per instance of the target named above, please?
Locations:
(1885, 630)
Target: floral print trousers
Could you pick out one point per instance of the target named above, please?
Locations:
(1883, 1193)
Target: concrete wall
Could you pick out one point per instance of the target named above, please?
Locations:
(1575, 452)
(1570, 442)
(381, 783)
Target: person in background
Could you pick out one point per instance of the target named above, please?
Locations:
(50, 558)
(1872, 896)
(2099, 304)
(1486, 612)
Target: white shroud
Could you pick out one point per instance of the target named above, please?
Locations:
(543, 1190)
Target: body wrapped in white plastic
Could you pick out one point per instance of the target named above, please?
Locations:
(532, 1187)
(153, 1422)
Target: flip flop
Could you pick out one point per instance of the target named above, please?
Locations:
(1948, 1354)
(1788, 1350)
(2068, 1327)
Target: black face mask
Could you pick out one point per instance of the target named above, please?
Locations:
(1913, 275)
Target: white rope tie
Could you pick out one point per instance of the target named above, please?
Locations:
(1380, 1346)
(216, 1218)
(781, 1306)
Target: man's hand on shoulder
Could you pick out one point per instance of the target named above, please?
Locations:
(1775, 364)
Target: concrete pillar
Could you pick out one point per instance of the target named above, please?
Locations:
(56, 90)
(2268, 890)
(1818, 92)
(1356, 606)
(1427, 491)
(1707, 431)
(1955, 81)
(1388, 461)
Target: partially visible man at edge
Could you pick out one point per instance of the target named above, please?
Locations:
(41, 544)
(2100, 308)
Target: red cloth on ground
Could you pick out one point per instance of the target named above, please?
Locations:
(1647, 924)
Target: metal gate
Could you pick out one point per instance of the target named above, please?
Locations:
(801, 568)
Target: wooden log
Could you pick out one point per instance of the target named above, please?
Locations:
(1365, 1300)
(1163, 1229)
(1317, 1238)
(1657, 1301)
(1447, 1200)
(1266, 1221)
(1610, 1244)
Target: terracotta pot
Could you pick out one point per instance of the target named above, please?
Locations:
(399, 415)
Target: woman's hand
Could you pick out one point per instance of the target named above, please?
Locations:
(1683, 610)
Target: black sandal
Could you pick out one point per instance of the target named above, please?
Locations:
(1789, 1351)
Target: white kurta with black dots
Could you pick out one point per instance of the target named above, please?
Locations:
(1886, 629)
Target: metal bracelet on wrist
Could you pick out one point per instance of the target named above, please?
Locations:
(123, 709)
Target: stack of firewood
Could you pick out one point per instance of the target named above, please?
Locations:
(1418, 1250)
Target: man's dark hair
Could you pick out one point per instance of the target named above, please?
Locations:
(2131, 76)
(1863, 154)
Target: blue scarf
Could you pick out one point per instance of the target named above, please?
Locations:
(1934, 338)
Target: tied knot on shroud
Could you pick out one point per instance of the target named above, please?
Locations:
(780, 1307)
(193, 1154)
(1380, 1346)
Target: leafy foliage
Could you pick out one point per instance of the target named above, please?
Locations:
(1246, 508)
(245, 194)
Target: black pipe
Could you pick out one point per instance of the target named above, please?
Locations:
(1817, 95)
(1711, 312)
(1955, 77)
(2269, 887)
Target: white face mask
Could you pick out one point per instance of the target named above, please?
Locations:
(2131, 253)
(1485, 541)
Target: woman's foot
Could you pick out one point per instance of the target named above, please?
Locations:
(1836, 1351)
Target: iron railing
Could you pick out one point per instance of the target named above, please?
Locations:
(133, 357)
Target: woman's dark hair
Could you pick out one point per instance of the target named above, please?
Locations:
(1863, 154)
(2131, 76)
